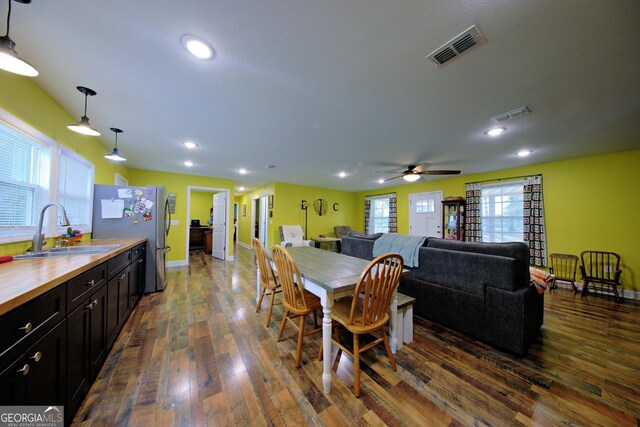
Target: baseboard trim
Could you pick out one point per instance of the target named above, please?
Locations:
(178, 263)
(244, 245)
(624, 293)
(230, 258)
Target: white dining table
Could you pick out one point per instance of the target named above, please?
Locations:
(331, 276)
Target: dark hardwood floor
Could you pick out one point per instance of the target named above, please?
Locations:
(198, 354)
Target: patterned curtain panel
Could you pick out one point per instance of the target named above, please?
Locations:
(534, 230)
(473, 225)
(367, 209)
(393, 222)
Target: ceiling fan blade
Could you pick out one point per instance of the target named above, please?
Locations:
(388, 171)
(393, 177)
(439, 172)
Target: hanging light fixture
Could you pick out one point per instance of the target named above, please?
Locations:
(83, 125)
(9, 58)
(114, 155)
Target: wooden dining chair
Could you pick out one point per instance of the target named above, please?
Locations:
(563, 267)
(297, 301)
(367, 311)
(268, 279)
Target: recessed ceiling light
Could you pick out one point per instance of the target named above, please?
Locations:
(242, 171)
(240, 188)
(342, 174)
(197, 47)
(188, 163)
(524, 153)
(270, 166)
(381, 181)
(495, 131)
(190, 144)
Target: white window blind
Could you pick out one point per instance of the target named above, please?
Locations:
(25, 170)
(75, 185)
(379, 215)
(501, 210)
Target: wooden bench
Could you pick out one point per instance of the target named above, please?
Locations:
(404, 324)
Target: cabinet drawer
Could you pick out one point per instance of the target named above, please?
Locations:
(117, 263)
(138, 251)
(80, 287)
(22, 326)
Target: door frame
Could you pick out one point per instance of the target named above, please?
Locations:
(187, 224)
(438, 193)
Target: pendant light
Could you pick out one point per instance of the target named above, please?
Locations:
(9, 58)
(114, 155)
(83, 125)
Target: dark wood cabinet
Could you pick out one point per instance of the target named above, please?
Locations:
(38, 376)
(453, 216)
(117, 303)
(87, 346)
(208, 235)
(53, 347)
(197, 237)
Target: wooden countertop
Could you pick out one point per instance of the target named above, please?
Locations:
(21, 280)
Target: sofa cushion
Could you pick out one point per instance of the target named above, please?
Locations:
(517, 250)
(359, 235)
(465, 271)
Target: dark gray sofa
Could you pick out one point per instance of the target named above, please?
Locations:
(480, 289)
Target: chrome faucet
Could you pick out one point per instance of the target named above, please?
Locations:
(38, 238)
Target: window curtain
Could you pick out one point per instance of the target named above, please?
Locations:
(534, 229)
(367, 210)
(473, 224)
(393, 222)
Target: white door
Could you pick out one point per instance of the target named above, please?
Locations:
(425, 214)
(219, 236)
(263, 220)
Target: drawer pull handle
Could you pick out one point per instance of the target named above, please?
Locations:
(36, 357)
(27, 328)
(95, 302)
(91, 282)
(122, 277)
(24, 370)
(90, 306)
(140, 261)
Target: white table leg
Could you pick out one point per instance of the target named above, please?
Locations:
(399, 329)
(258, 287)
(393, 323)
(327, 303)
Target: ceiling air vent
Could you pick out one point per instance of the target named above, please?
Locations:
(510, 114)
(456, 47)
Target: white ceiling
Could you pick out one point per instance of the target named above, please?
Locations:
(318, 87)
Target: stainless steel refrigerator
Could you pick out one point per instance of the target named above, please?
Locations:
(120, 211)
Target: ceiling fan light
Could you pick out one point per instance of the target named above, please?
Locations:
(10, 60)
(83, 127)
(495, 131)
(411, 177)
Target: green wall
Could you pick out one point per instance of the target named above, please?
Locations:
(591, 203)
(24, 99)
(177, 184)
(287, 210)
(201, 206)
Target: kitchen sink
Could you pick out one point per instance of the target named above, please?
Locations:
(69, 251)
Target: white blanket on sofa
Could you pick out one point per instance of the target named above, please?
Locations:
(407, 246)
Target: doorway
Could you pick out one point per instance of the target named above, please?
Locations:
(259, 219)
(425, 214)
(205, 217)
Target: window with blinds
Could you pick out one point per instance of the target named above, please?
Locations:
(35, 170)
(501, 210)
(75, 189)
(25, 172)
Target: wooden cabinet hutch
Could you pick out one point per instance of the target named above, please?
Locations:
(453, 213)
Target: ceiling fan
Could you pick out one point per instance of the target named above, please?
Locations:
(413, 172)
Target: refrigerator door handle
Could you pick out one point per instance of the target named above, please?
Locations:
(166, 249)
(167, 213)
